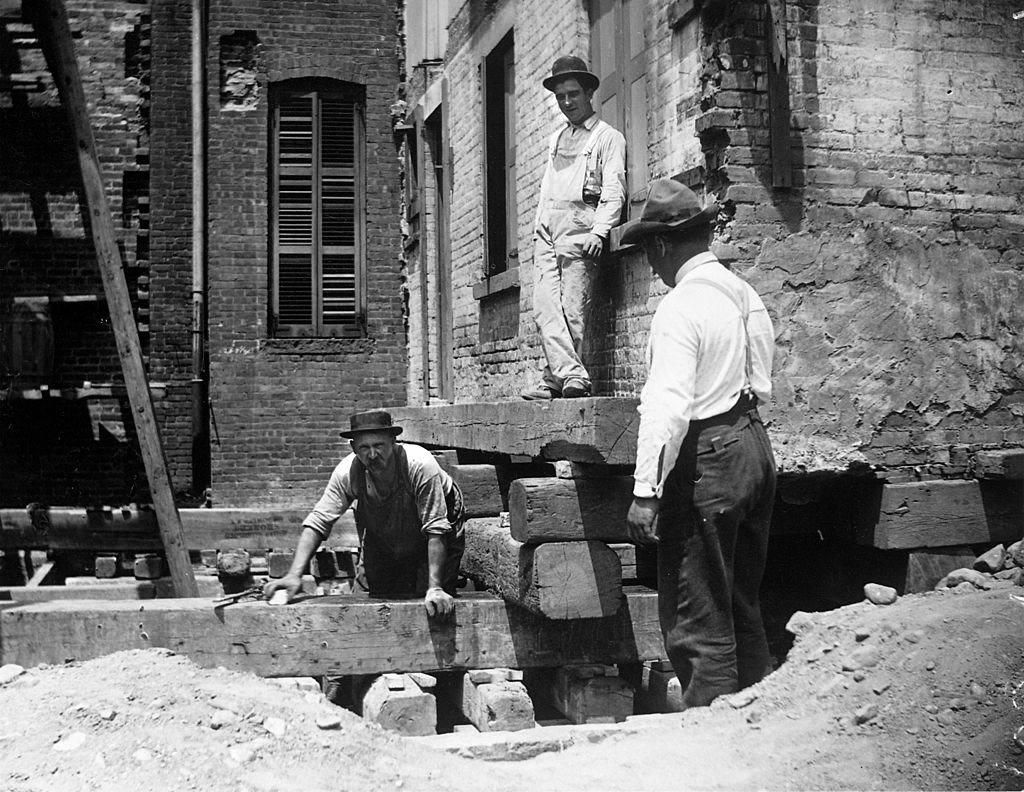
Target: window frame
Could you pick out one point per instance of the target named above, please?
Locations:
(319, 89)
(501, 55)
(626, 85)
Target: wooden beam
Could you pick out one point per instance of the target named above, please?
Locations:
(1002, 464)
(132, 529)
(51, 22)
(565, 510)
(560, 580)
(582, 430)
(330, 636)
(480, 489)
(108, 589)
(939, 513)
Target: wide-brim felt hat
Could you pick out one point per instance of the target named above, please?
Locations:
(569, 67)
(371, 421)
(670, 207)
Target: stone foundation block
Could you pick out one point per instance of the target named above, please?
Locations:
(397, 703)
(495, 699)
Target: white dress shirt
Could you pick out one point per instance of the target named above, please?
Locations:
(697, 363)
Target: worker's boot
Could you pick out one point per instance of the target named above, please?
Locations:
(575, 389)
(542, 392)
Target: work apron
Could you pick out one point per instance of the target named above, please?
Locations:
(393, 546)
(563, 277)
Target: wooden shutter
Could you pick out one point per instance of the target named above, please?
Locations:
(317, 196)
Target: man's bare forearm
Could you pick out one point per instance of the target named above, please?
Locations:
(308, 544)
(437, 554)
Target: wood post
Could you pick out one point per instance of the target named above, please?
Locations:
(561, 580)
(51, 21)
(565, 510)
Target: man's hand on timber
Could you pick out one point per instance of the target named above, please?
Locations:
(439, 603)
(289, 583)
(592, 245)
(642, 521)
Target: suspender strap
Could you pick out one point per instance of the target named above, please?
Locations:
(744, 308)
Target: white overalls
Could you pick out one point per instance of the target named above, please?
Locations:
(563, 277)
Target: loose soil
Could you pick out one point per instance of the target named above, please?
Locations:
(931, 698)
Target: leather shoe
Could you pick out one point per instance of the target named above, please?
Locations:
(575, 389)
(540, 393)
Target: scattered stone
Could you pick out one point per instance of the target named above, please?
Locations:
(837, 683)
(1015, 553)
(222, 718)
(106, 714)
(913, 637)
(880, 686)
(957, 704)
(866, 713)
(931, 709)
(234, 563)
(10, 672)
(70, 742)
(327, 721)
(865, 656)
(859, 675)
(243, 753)
(799, 622)
(880, 595)
(742, 699)
(275, 726)
(862, 634)
(753, 716)
(142, 756)
(977, 691)
(929, 666)
(964, 575)
(947, 717)
(964, 588)
(991, 560)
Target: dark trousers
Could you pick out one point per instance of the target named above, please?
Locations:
(713, 538)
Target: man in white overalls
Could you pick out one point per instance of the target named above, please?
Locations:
(581, 198)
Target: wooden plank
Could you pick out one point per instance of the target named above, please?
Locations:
(40, 574)
(1002, 464)
(590, 430)
(330, 636)
(939, 513)
(133, 529)
(123, 589)
(561, 580)
(51, 21)
(480, 489)
(565, 510)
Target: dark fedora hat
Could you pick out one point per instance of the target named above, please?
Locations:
(568, 67)
(670, 206)
(370, 421)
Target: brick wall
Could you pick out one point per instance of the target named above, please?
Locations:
(278, 403)
(891, 266)
(54, 450)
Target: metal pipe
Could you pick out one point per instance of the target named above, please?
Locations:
(200, 375)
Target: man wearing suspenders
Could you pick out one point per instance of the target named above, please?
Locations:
(409, 515)
(704, 483)
(581, 198)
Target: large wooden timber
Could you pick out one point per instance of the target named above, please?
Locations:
(330, 636)
(51, 20)
(559, 580)
(132, 529)
(582, 430)
(565, 510)
(939, 513)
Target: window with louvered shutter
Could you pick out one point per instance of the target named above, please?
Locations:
(317, 213)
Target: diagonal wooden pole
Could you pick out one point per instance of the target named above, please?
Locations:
(51, 21)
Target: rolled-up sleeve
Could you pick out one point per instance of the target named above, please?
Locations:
(666, 402)
(338, 496)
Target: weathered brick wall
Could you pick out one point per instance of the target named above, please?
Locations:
(278, 403)
(170, 270)
(892, 266)
(53, 450)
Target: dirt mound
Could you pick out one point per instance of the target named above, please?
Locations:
(922, 694)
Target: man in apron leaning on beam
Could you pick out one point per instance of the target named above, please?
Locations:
(409, 515)
(581, 198)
